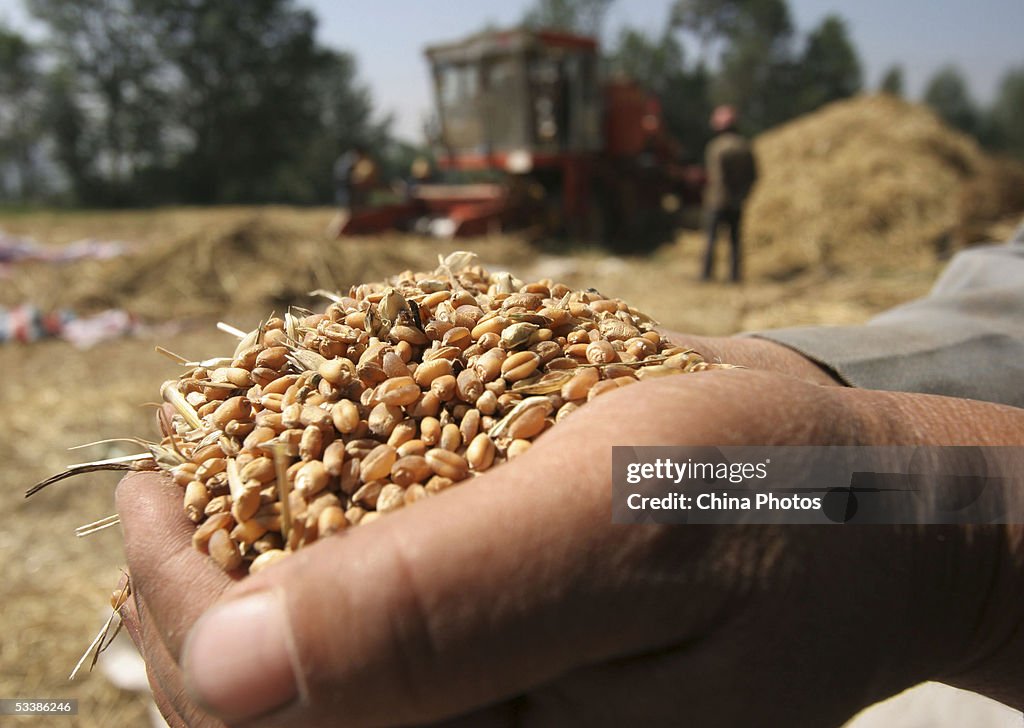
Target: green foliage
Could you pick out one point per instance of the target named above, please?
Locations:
(243, 72)
(20, 111)
(258, 98)
(575, 16)
(757, 72)
(1008, 112)
(654, 62)
(67, 125)
(17, 63)
(829, 69)
(204, 101)
(105, 54)
(755, 66)
(752, 40)
(892, 81)
(947, 94)
(658, 64)
(344, 119)
(708, 20)
(233, 101)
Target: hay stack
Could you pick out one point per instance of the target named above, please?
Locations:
(254, 262)
(867, 181)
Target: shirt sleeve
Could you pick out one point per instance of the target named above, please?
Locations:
(964, 339)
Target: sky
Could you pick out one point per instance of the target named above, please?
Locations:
(981, 37)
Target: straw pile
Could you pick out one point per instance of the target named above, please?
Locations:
(234, 266)
(865, 181)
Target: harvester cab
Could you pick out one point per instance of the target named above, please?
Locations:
(528, 135)
(516, 100)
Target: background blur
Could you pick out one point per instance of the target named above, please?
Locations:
(141, 102)
(165, 165)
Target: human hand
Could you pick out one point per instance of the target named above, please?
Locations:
(755, 353)
(514, 600)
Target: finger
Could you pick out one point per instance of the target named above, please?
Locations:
(164, 674)
(167, 711)
(602, 695)
(130, 619)
(176, 581)
(129, 614)
(473, 596)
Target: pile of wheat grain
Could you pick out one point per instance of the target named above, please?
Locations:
(397, 391)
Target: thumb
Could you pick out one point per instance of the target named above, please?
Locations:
(481, 593)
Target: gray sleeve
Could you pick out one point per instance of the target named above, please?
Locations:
(964, 339)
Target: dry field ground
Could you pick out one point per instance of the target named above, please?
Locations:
(197, 266)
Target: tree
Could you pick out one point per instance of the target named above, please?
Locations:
(576, 16)
(198, 101)
(107, 56)
(766, 20)
(266, 109)
(654, 63)
(892, 81)
(19, 117)
(243, 94)
(1007, 112)
(758, 73)
(755, 67)
(948, 95)
(708, 20)
(659, 65)
(829, 68)
(345, 119)
(73, 150)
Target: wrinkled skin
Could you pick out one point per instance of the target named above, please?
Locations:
(513, 600)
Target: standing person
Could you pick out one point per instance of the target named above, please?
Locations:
(343, 167)
(732, 171)
(354, 175)
(363, 179)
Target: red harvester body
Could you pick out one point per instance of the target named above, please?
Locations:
(529, 135)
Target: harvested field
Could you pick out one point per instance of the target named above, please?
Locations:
(820, 252)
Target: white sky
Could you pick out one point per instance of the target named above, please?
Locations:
(982, 37)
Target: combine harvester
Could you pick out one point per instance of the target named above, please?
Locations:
(530, 136)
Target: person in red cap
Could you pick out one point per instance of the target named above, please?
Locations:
(731, 171)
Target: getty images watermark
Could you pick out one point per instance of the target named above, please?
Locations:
(810, 484)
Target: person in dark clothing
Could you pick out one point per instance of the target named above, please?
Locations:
(343, 167)
(732, 171)
(354, 174)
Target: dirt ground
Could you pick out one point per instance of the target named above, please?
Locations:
(54, 396)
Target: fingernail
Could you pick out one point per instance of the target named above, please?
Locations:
(238, 660)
